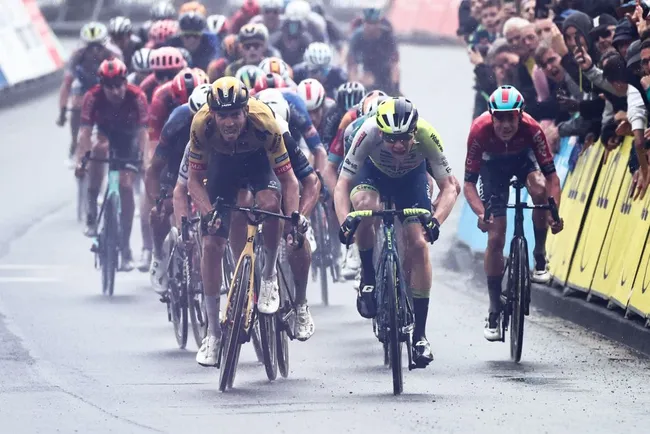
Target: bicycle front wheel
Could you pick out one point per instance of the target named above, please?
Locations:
(284, 314)
(320, 229)
(234, 325)
(178, 301)
(391, 291)
(519, 289)
(268, 340)
(195, 301)
(108, 239)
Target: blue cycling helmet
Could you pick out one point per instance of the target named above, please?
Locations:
(506, 99)
(371, 14)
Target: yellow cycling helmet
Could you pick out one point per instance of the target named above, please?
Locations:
(397, 116)
(227, 93)
(193, 6)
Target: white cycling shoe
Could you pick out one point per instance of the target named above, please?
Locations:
(492, 330)
(351, 264)
(207, 354)
(269, 300)
(158, 275)
(304, 325)
(309, 235)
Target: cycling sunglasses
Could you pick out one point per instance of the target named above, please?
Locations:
(510, 115)
(252, 46)
(394, 138)
(114, 83)
(604, 34)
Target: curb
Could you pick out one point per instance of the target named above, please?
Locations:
(21, 92)
(551, 301)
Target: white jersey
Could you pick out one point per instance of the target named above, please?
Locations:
(184, 170)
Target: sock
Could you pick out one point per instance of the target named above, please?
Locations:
(75, 122)
(539, 253)
(92, 204)
(494, 291)
(367, 267)
(421, 310)
(212, 308)
(270, 258)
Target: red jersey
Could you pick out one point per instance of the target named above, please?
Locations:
(130, 115)
(483, 143)
(337, 147)
(149, 86)
(162, 105)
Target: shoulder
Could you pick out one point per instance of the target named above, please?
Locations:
(428, 135)
(162, 91)
(202, 126)
(528, 121)
(180, 117)
(261, 116)
(134, 91)
(481, 123)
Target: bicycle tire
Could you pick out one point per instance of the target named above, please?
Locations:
(178, 301)
(234, 324)
(195, 301)
(282, 339)
(82, 198)
(268, 343)
(393, 336)
(322, 247)
(109, 240)
(257, 345)
(518, 294)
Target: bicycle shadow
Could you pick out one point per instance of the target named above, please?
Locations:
(111, 299)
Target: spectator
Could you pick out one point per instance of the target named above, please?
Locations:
(624, 35)
(603, 32)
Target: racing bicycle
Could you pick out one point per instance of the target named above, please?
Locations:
(241, 315)
(106, 244)
(395, 317)
(516, 298)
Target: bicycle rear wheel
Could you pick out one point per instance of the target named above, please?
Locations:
(82, 198)
(267, 325)
(108, 239)
(284, 314)
(391, 292)
(519, 288)
(178, 300)
(195, 302)
(234, 324)
(320, 229)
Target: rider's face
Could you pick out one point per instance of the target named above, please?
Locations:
(399, 144)
(191, 41)
(230, 123)
(316, 116)
(505, 124)
(115, 91)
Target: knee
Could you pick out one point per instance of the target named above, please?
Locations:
(496, 241)
(214, 246)
(269, 201)
(417, 243)
(100, 148)
(365, 201)
(537, 190)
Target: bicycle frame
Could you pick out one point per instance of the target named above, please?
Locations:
(112, 188)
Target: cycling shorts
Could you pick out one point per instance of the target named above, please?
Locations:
(121, 144)
(227, 174)
(495, 178)
(79, 89)
(409, 191)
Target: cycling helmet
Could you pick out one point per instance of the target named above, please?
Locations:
(94, 32)
(312, 92)
(184, 84)
(229, 46)
(317, 7)
(203, 76)
(253, 32)
(292, 27)
(506, 99)
(111, 69)
(166, 58)
(269, 81)
(227, 93)
(397, 116)
(140, 60)
(160, 31)
(162, 11)
(274, 99)
(186, 54)
(119, 26)
(192, 22)
(193, 6)
(217, 24)
(272, 5)
(349, 94)
(248, 74)
(371, 101)
(275, 65)
(297, 10)
(371, 14)
(318, 55)
(198, 97)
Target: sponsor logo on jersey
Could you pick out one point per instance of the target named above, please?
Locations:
(435, 140)
(195, 140)
(275, 144)
(281, 158)
(283, 169)
(359, 141)
(197, 166)
(351, 164)
(196, 156)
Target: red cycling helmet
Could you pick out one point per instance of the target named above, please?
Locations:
(270, 81)
(185, 82)
(166, 59)
(160, 31)
(111, 69)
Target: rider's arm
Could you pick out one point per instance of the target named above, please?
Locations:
(472, 170)
(142, 119)
(352, 64)
(198, 167)
(279, 159)
(86, 125)
(64, 90)
(544, 158)
(181, 204)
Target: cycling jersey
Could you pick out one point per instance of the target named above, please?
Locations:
(261, 132)
(368, 143)
(232, 69)
(85, 61)
(209, 49)
(149, 86)
(484, 145)
(334, 77)
(217, 68)
(300, 122)
(336, 149)
(173, 140)
(291, 55)
(162, 105)
(299, 161)
(128, 117)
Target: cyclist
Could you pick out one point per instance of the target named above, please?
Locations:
(81, 75)
(160, 32)
(193, 7)
(238, 139)
(165, 100)
(335, 35)
(121, 31)
(248, 74)
(317, 103)
(254, 45)
(119, 111)
(275, 65)
(318, 65)
(373, 58)
(159, 11)
(140, 66)
(194, 37)
(217, 24)
(292, 40)
(387, 157)
(505, 142)
(300, 122)
(230, 49)
(271, 15)
(165, 63)
(314, 24)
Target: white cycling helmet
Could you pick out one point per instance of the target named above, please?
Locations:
(94, 32)
(140, 60)
(275, 65)
(272, 5)
(297, 10)
(198, 97)
(371, 101)
(318, 55)
(312, 92)
(274, 99)
(216, 23)
(120, 26)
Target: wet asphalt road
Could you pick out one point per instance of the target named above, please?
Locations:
(72, 360)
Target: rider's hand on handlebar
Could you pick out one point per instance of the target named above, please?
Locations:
(303, 225)
(60, 121)
(211, 222)
(79, 171)
(347, 227)
(483, 225)
(555, 226)
(432, 228)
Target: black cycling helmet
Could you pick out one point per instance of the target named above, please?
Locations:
(191, 22)
(349, 94)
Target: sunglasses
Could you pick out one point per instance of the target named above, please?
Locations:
(645, 61)
(191, 35)
(506, 116)
(272, 11)
(604, 34)
(114, 84)
(394, 138)
(254, 46)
